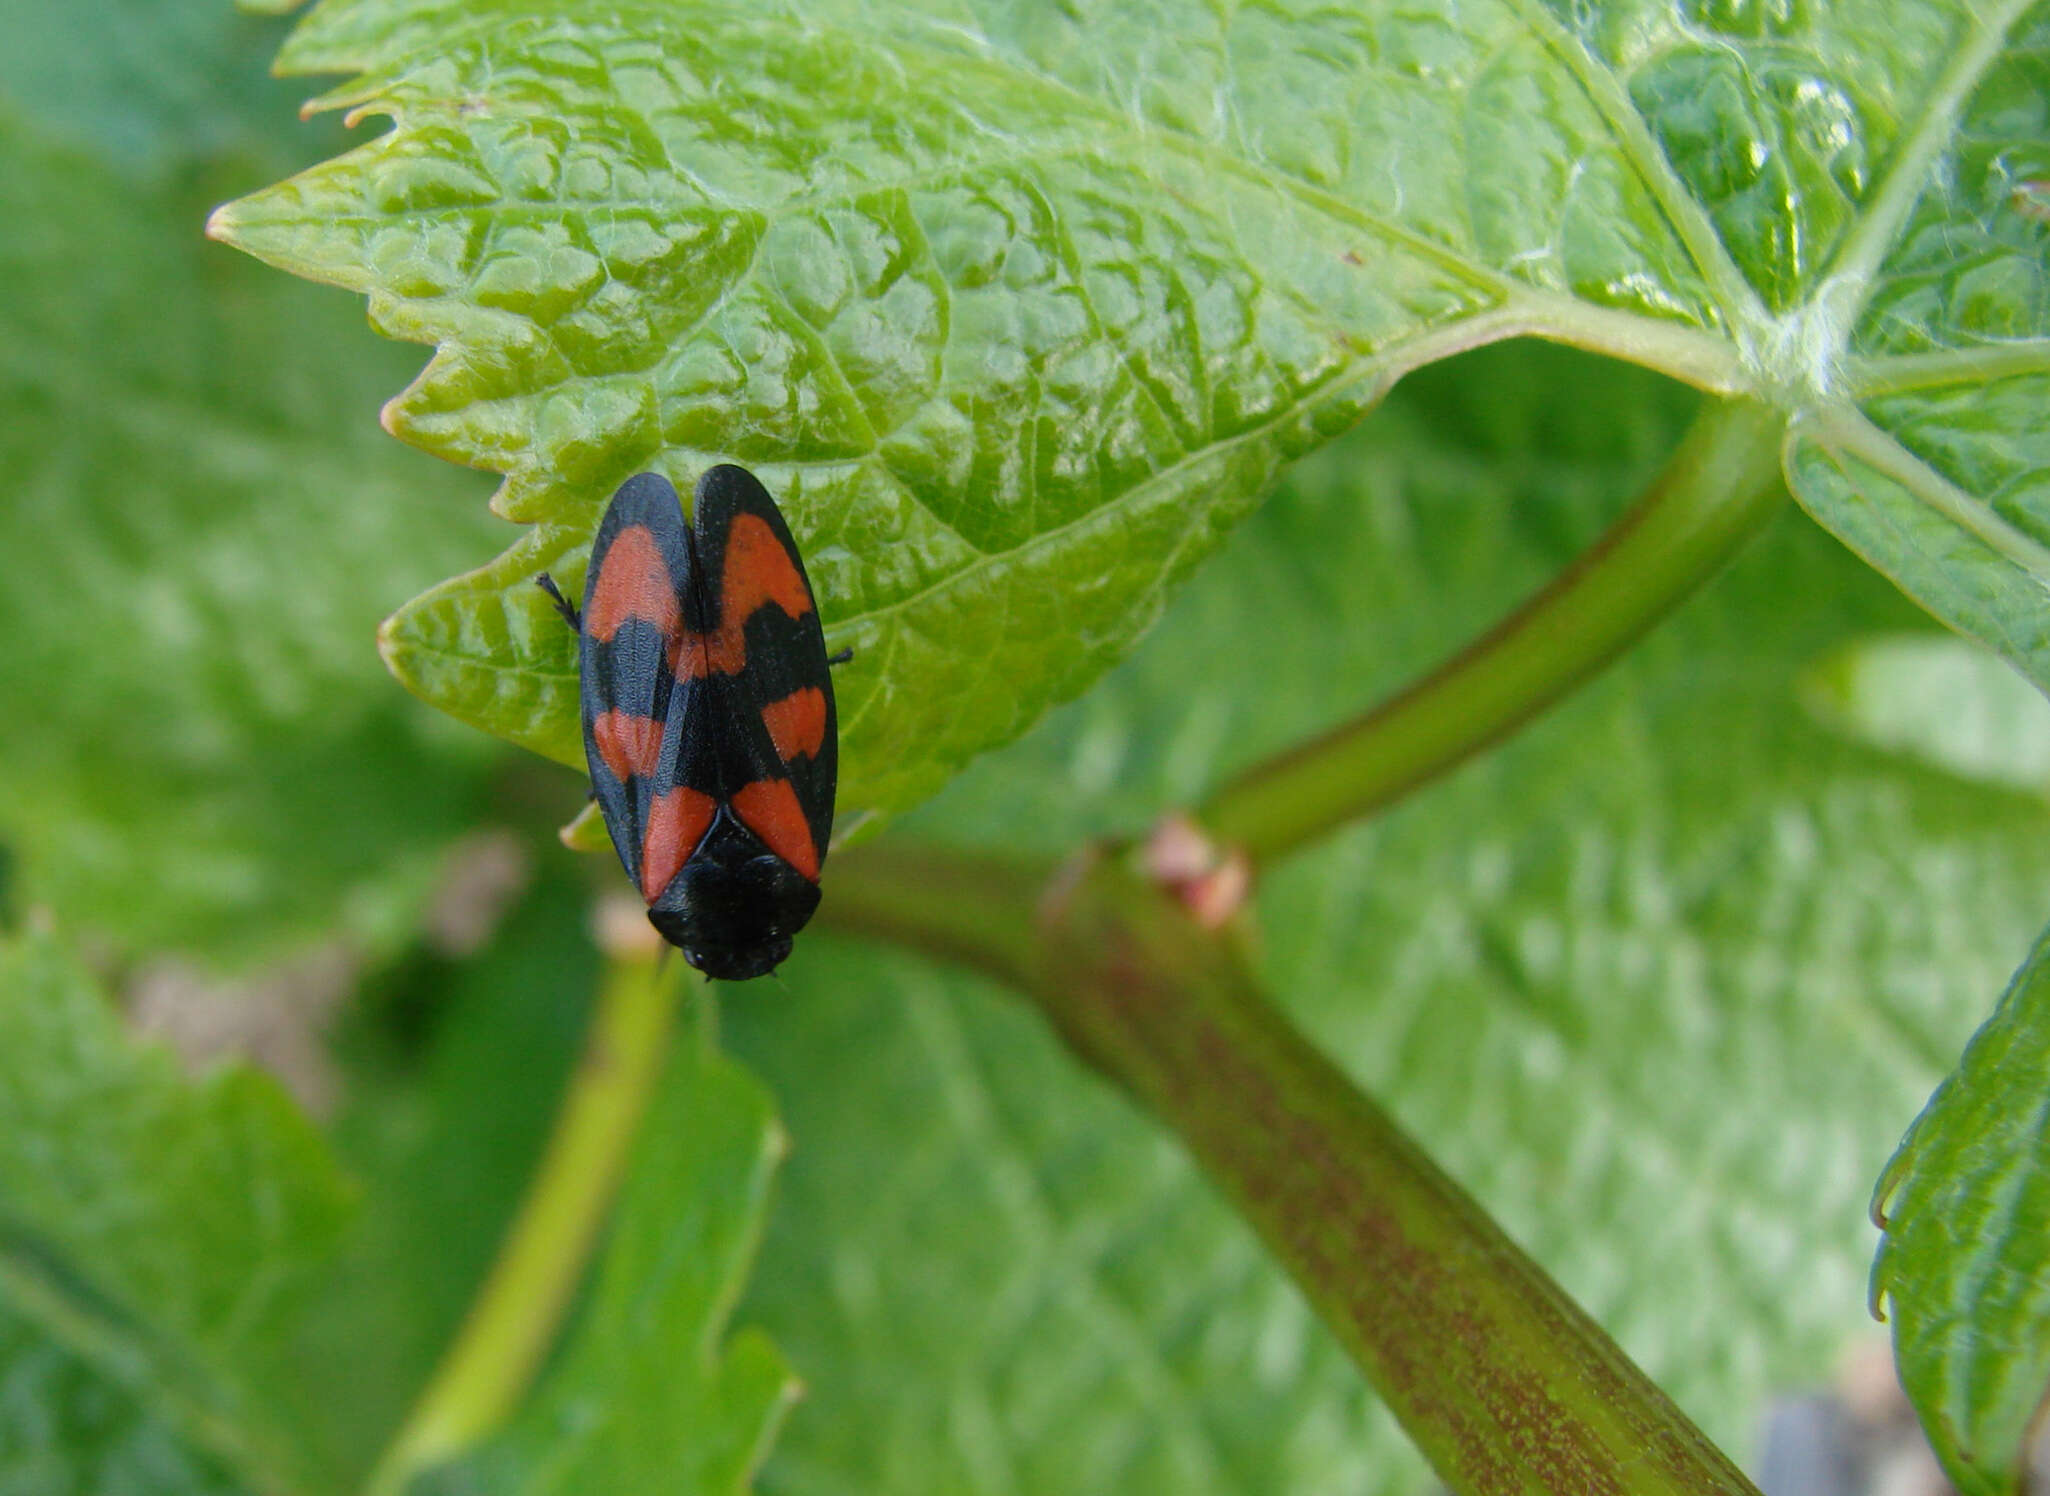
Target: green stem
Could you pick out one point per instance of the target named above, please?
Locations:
(520, 1307)
(1504, 1383)
(1718, 488)
(966, 907)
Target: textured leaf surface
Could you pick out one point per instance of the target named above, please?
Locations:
(651, 1398)
(1965, 1267)
(200, 750)
(66, 1429)
(1020, 308)
(1658, 981)
(160, 1228)
(1940, 475)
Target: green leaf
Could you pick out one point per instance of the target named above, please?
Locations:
(1942, 700)
(453, 1073)
(162, 1229)
(1020, 309)
(1656, 981)
(204, 753)
(68, 1430)
(1964, 1270)
(650, 1395)
(1939, 474)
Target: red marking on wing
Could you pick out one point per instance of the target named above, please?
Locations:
(757, 569)
(676, 824)
(629, 745)
(769, 809)
(634, 582)
(797, 723)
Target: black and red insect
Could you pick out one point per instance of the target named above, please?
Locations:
(708, 715)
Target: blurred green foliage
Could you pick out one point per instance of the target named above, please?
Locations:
(1659, 980)
(201, 753)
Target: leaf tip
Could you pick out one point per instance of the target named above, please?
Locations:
(395, 648)
(586, 833)
(1879, 1280)
(223, 225)
(755, 1362)
(1888, 1181)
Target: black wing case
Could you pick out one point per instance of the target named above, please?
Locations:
(633, 615)
(780, 720)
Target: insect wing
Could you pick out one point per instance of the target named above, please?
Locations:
(777, 733)
(633, 703)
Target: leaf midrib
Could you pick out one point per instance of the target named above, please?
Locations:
(1843, 430)
(1849, 283)
(1977, 364)
(1693, 230)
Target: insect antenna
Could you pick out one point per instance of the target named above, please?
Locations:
(563, 605)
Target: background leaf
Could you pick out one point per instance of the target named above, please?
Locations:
(454, 1069)
(1658, 981)
(1942, 700)
(66, 1430)
(649, 1396)
(453, 1073)
(1963, 1266)
(161, 1229)
(202, 753)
